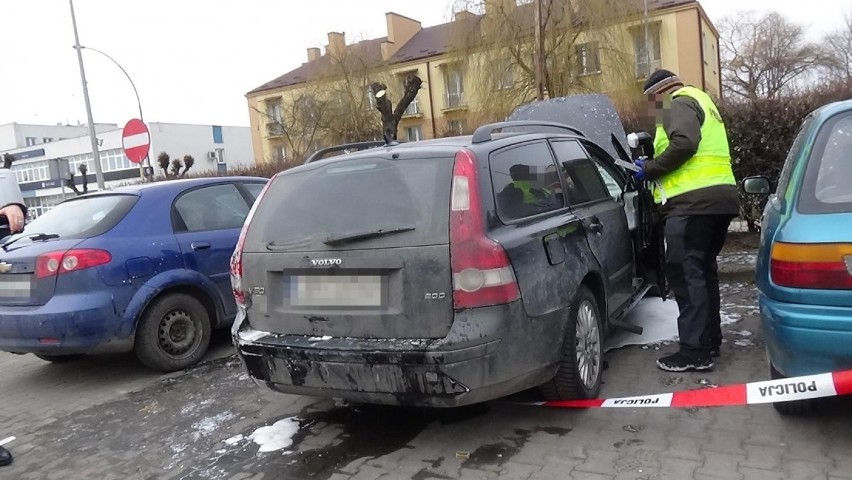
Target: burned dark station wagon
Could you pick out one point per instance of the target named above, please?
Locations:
(449, 271)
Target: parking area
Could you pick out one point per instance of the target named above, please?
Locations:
(109, 418)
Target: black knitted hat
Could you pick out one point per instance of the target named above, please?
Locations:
(660, 81)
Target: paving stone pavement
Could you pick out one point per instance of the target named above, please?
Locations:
(110, 419)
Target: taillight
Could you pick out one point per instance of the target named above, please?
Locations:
(482, 272)
(57, 263)
(812, 265)
(237, 256)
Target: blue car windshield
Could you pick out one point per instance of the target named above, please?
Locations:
(82, 218)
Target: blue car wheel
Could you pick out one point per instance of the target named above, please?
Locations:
(173, 334)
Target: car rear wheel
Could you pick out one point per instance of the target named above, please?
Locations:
(60, 358)
(581, 359)
(794, 407)
(174, 333)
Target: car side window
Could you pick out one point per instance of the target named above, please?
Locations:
(254, 189)
(614, 183)
(216, 207)
(583, 180)
(525, 181)
(792, 155)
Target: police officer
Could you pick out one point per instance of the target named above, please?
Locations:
(697, 196)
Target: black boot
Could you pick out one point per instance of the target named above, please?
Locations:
(5, 457)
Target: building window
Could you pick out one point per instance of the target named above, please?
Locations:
(217, 134)
(647, 55)
(371, 98)
(414, 134)
(273, 111)
(503, 75)
(413, 108)
(111, 161)
(279, 154)
(46, 140)
(456, 127)
(588, 58)
(31, 141)
(32, 172)
(454, 86)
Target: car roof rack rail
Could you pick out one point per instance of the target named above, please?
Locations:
(483, 133)
(357, 146)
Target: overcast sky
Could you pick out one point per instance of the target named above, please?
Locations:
(193, 60)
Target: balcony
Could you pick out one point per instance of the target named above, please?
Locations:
(274, 129)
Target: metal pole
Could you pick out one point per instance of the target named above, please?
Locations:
(539, 52)
(647, 38)
(96, 156)
(136, 92)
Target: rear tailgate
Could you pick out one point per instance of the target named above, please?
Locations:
(358, 248)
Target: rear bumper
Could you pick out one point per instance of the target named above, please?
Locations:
(82, 323)
(806, 339)
(447, 372)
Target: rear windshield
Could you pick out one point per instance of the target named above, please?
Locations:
(827, 187)
(354, 204)
(82, 218)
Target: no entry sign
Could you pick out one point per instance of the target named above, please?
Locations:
(136, 140)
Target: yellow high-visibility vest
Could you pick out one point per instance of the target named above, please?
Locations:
(711, 164)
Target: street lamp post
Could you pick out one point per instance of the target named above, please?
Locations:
(96, 156)
(136, 92)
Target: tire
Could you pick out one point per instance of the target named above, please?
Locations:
(174, 333)
(797, 408)
(581, 358)
(59, 358)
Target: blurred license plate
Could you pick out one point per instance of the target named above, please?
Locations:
(336, 290)
(15, 286)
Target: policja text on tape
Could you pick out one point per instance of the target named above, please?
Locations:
(769, 391)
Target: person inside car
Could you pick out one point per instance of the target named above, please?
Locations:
(521, 197)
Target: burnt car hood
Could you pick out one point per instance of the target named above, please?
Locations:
(594, 115)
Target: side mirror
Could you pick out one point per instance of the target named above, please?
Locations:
(758, 185)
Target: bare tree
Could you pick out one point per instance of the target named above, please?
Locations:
(7, 160)
(578, 50)
(164, 160)
(839, 46)
(188, 162)
(765, 56)
(392, 115)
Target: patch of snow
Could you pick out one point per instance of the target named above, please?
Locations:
(318, 339)
(743, 343)
(729, 318)
(277, 436)
(742, 333)
(234, 440)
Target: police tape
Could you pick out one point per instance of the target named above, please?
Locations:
(769, 391)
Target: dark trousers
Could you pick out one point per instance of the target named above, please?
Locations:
(692, 244)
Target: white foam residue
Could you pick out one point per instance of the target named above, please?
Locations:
(658, 320)
(253, 335)
(210, 424)
(277, 436)
(234, 440)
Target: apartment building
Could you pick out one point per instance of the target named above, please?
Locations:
(462, 82)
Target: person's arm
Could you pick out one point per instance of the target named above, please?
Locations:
(15, 215)
(683, 126)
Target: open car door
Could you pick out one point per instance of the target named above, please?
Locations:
(596, 117)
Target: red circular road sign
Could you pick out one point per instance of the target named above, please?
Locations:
(136, 140)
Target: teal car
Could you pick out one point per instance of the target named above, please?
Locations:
(804, 266)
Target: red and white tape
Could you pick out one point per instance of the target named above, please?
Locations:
(770, 391)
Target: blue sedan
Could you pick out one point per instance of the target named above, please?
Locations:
(142, 268)
(804, 268)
